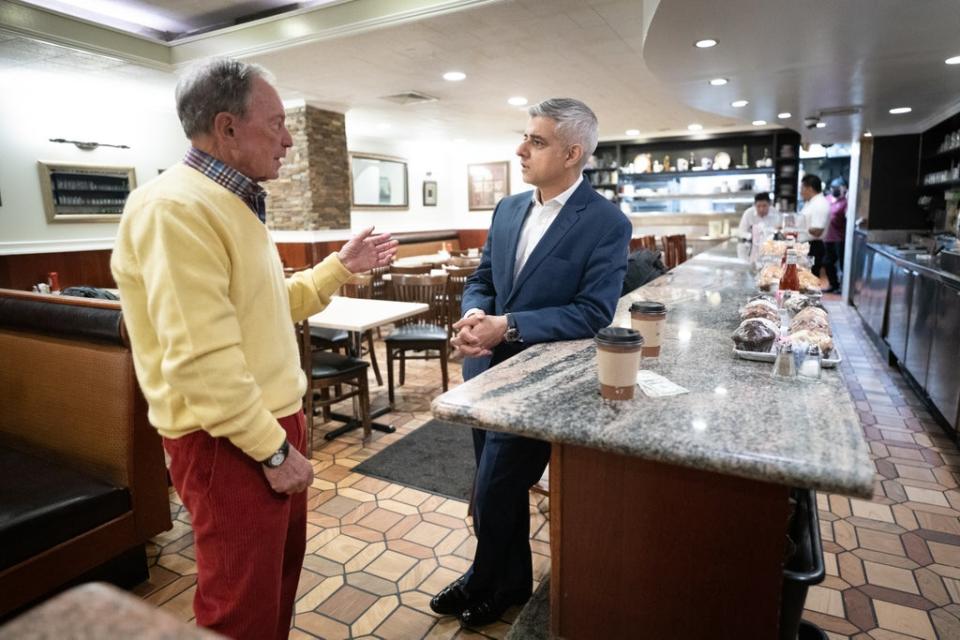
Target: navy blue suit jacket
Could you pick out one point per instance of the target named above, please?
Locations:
(570, 284)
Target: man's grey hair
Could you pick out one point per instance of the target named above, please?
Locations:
(576, 122)
(213, 86)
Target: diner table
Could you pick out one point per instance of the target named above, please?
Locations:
(356, 316)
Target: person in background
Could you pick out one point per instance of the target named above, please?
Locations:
(816, 215)
(552, 269)
(210, 318)
(836, 233)
(761, 213)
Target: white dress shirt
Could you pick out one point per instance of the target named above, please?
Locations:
(817, 214)
(771, 222)
(539, 219)
(541, 216)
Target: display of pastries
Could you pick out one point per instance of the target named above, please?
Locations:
(812, 312)
(808, 281)
(769, 276)
(779, 247)
(811, 323)
(795, 302)
(822, 340)
(755, 334)
(760, 309)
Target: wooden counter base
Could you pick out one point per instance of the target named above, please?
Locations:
(645, 549)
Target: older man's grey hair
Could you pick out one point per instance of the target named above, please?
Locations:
(213, 86)
(576, 122)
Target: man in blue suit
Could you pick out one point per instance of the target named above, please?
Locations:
(552, 269)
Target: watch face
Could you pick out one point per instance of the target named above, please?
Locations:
(277, 459)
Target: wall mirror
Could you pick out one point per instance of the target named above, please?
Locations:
(378, 181)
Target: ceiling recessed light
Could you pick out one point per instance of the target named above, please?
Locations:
(517, 101)
(821, 124)
(454, 76)
(719, 82)
(953, 60)
(695, 127)
(758, 123)
(632, 132)
(383, 125)
(867, 135)
(898, 110)
(706, 43)
(739, 103)
(784, 115)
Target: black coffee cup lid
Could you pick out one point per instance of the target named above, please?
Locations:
(648, 306)
(620, 336)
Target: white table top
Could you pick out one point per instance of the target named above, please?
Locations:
(360, 314)
(433, 272)
(433, 258)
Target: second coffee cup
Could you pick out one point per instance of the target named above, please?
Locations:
(649, 318)
(618, 358)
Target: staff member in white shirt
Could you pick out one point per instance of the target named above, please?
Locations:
(816, 212)
(760, 213)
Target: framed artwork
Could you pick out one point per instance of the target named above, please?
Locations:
(84, 192)
(378, 182)
(429, 193)
(487, 183)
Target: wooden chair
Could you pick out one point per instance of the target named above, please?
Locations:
(456, 279)
(414, 269)
(644, 242)
(326, 370)
(674, 250)
(378, 284)
(425, 332)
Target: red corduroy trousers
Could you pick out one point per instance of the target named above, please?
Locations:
(249, 540)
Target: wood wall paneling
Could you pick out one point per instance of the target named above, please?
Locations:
(472, 238)
(89, 268)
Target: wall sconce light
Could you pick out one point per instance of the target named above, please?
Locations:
(88, 146)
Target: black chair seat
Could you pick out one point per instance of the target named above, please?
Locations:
(417, 333)
(322, 334)
(327, 364)
(44, 504)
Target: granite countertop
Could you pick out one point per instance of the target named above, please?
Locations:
(736, 420)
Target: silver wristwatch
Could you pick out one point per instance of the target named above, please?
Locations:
(513, 333)
(278, 457)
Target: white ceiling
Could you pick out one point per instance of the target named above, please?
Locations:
(347, 55)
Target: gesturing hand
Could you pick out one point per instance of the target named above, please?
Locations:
(365, 251)
(293, 476)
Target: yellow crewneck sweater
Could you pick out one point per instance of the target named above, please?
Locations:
(209, 313)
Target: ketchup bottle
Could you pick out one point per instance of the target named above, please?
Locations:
(790, 281)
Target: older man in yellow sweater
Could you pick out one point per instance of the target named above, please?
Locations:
(210, 318)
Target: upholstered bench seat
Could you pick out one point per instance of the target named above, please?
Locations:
(44, 504)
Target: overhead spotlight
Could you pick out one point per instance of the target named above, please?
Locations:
(953, 60)
(784, 115)
(739, 103)
(899, 110)
(695, 127)
(632, 132)
(821, 124)
(454, 76)
(517, 101)
(867, 134)
(719, 82)
(758, 123)
(706, 43)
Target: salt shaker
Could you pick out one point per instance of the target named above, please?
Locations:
(785, 366)
(811, 365)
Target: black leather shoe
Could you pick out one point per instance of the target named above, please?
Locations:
(488, 610)
(452, 600)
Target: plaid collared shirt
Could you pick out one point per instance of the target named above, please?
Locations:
(229, 178)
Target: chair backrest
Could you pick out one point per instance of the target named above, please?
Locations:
(360, 285)
(644, 242)
(456, 279)
(410, 269)
(464, 261)
(379, 285)
(431, 290)
(674, 250)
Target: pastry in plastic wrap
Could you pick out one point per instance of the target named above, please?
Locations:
(810, 323)
(779, 247)
(763, 296)
(769, 277)
(809, 337)
(808, 281)
(760, 309)
(798, 301)
(811, 312)
(755, 334)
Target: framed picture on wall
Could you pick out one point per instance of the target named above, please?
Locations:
(429, 193)
(487, 183)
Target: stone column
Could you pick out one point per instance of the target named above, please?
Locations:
(313, 190)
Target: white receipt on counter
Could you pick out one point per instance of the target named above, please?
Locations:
(656, 386)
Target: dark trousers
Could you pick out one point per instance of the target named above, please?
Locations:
(817, 251)
(507, 466)
(248, 539)
(832, 262)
